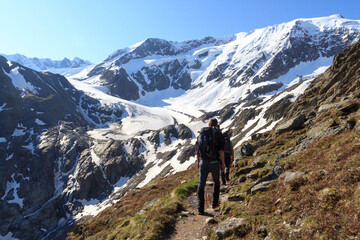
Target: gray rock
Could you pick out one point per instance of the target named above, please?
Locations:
(148, 205)
(166, 156)
(261, 187)
(231, 225)
(237, 198)
(262, 231)
(300, 219)
(242, 179)
(252, 176)
(292, 124)
(236, 161)
(211, 221)
(258, 161)
(186, 153)
(184, 132)
(278, 170)
(288, 176)
(247, 150)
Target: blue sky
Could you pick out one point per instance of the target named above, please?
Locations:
(94, 29)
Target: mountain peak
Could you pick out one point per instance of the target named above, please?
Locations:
(44, 64)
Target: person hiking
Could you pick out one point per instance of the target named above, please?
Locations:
(209, 150)
(229, 157)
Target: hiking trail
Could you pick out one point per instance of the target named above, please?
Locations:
(190, 225)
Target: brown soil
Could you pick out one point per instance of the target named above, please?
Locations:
(190, 225)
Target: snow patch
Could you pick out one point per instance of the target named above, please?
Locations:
(8, 236)
(19, 81)
(2, 108)
(13, 185)
(9, 157)
(39, 122)
(19, 131)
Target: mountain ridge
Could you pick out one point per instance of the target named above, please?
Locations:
(260, 57)
(47, 64)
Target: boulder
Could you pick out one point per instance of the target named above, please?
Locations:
(247, 150)
(252, 176)
(211, 220)
(278, 170)
(292, 124)
(288, 176)
(261, 187)
(242, 179)
(231, 225)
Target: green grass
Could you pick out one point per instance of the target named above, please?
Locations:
(186, 189)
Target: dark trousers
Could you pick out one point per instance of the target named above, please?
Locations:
(207, 167)
(225, 176)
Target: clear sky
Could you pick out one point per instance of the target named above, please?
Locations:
(92, 29)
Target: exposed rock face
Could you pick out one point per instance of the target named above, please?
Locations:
(340, 80)
(120, 84)
(184, 132)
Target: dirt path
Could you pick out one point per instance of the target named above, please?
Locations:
(191, 226)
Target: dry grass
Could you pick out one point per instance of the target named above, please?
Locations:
(125, 221)
(327, 196)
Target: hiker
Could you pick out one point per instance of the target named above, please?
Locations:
(229, 157)
(209, 151)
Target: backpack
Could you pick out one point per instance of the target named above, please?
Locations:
(206, 144)
(227, 146)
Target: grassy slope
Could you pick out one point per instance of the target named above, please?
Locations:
(124, 220)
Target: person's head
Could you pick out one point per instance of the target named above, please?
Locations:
(213, 123)
(225, 134)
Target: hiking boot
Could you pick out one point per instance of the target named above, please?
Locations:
(215, 206)
(200, 213)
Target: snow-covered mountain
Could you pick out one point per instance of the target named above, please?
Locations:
(64, 67)
(67, 154)
(226, 69)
